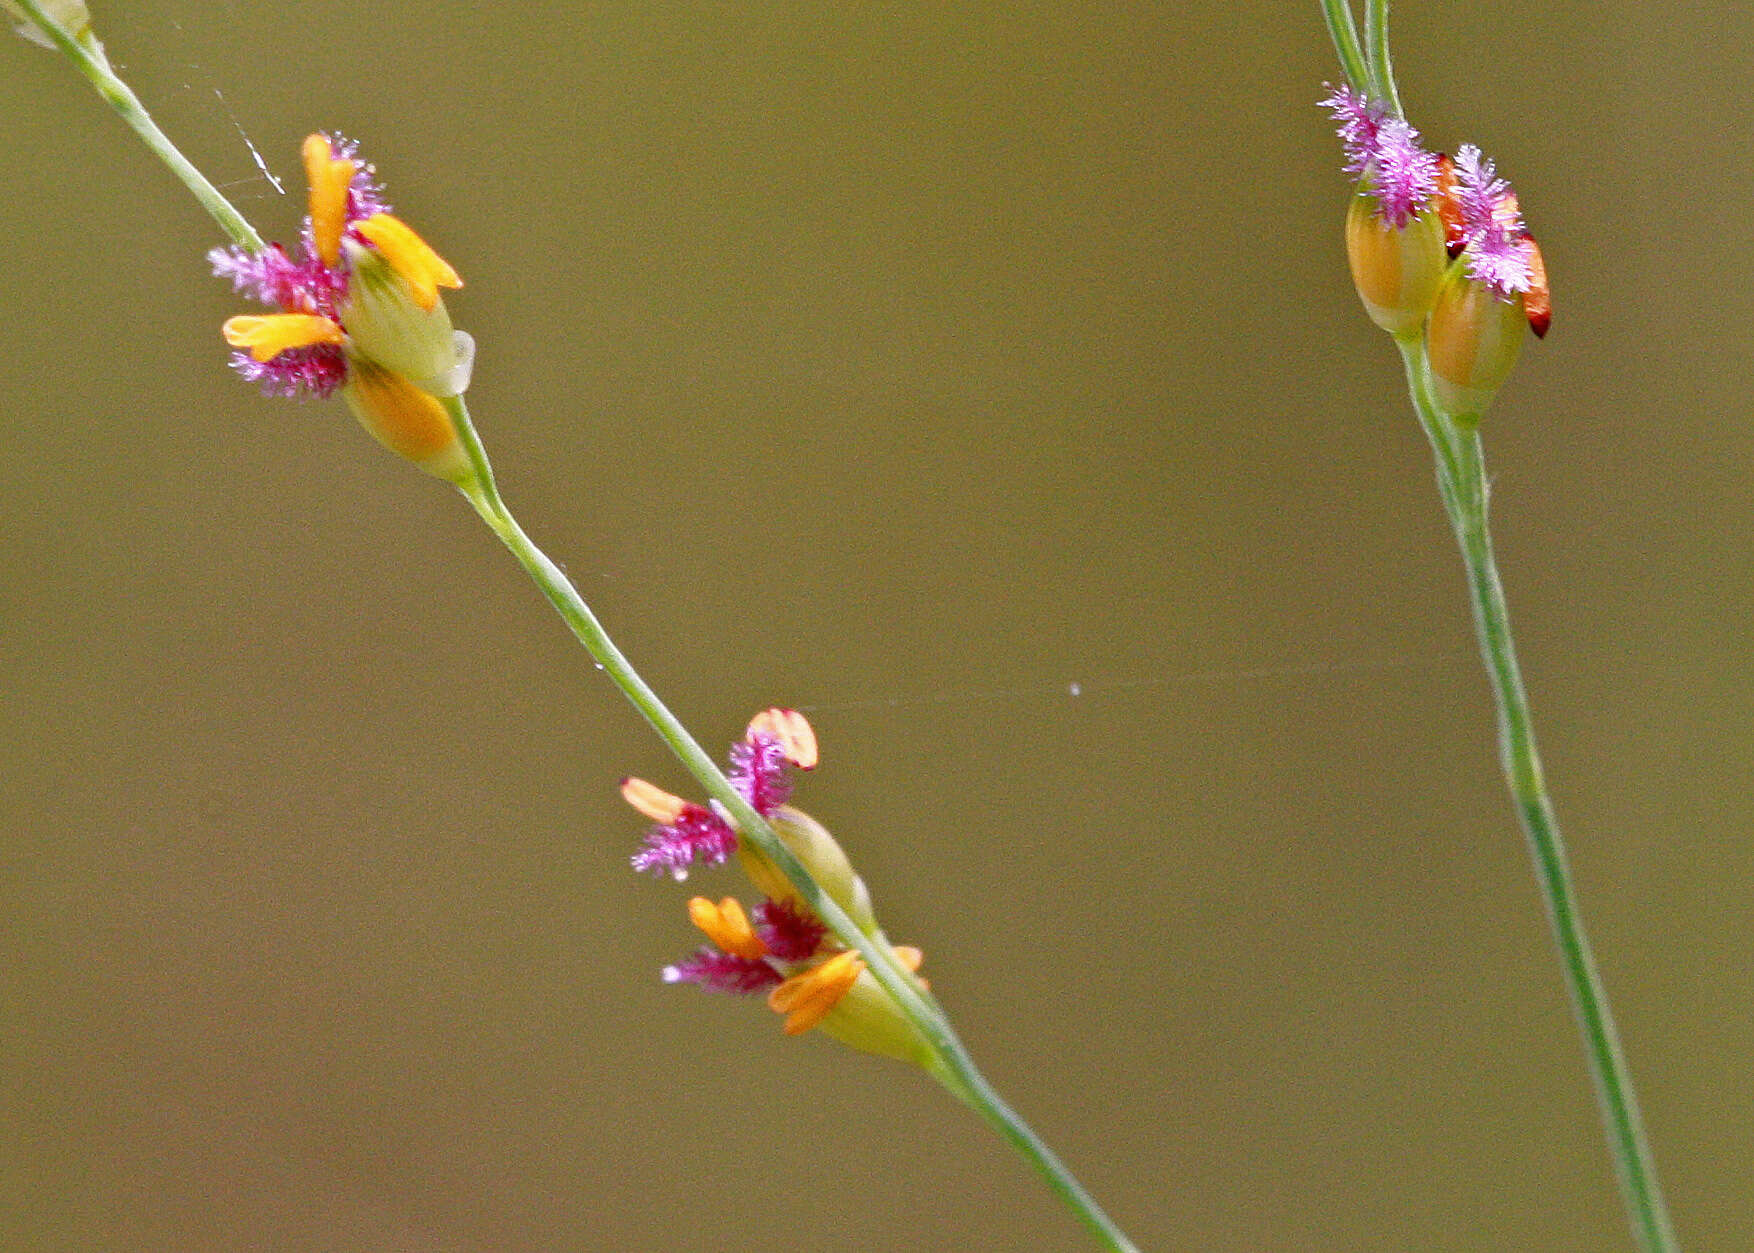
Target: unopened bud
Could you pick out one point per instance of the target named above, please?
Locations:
(393, 312)
(810, 842)
(406, 420)
(1473, 339)
(1397, 270)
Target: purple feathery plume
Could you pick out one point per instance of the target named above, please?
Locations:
(306, 285)
(697, 834)
(723, 972)
(790, 932)
(1493, 234)
(1384, 153)
(761, 772)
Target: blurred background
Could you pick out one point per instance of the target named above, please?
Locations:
(985, 381)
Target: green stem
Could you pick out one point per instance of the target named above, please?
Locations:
(1521, 762)
(87, 54)
(1376, 53)
(1462, 481)
(952, 1065)
(1437, 431)
(1344, 32)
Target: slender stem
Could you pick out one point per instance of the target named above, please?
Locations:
(952, 1066)
(1462, 481)
(1376, 51)
(1344, 32)
(87, 54)
(1521, 763)
(1437, 431)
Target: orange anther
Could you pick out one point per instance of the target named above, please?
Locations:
(727, 926)
(1538, 300)
(267, 335)
(805, 999)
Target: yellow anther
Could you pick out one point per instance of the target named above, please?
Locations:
(329, 177)
(268, 335)
(411, 257)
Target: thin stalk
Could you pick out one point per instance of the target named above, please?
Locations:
(1437, 431)
(1463, 485)
(953, 1067)
(1462, 482)
(1344, 32)
(1520, 760)
(1376, 53)
(87, 54)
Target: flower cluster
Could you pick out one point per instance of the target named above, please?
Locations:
(780, 946)
(777, 740)
(358, 313)
(1413, 212)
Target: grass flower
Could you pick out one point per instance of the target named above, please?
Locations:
(1494, 284)
(779, 947)
(777, 740)
(1486, 227)
(1385, 155)
(1394, 235)
(1497, 285)
(358, 312)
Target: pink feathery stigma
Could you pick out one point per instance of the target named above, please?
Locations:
(319, 371)
(789, 931)
(1358, 122)
(365, 196)
(761, 773)
(274, 278)
(723, 972)
(698, 834)
(305, 285)
(1492, 228)
(1385, 154)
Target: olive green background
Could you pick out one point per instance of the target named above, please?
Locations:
(908, 365)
